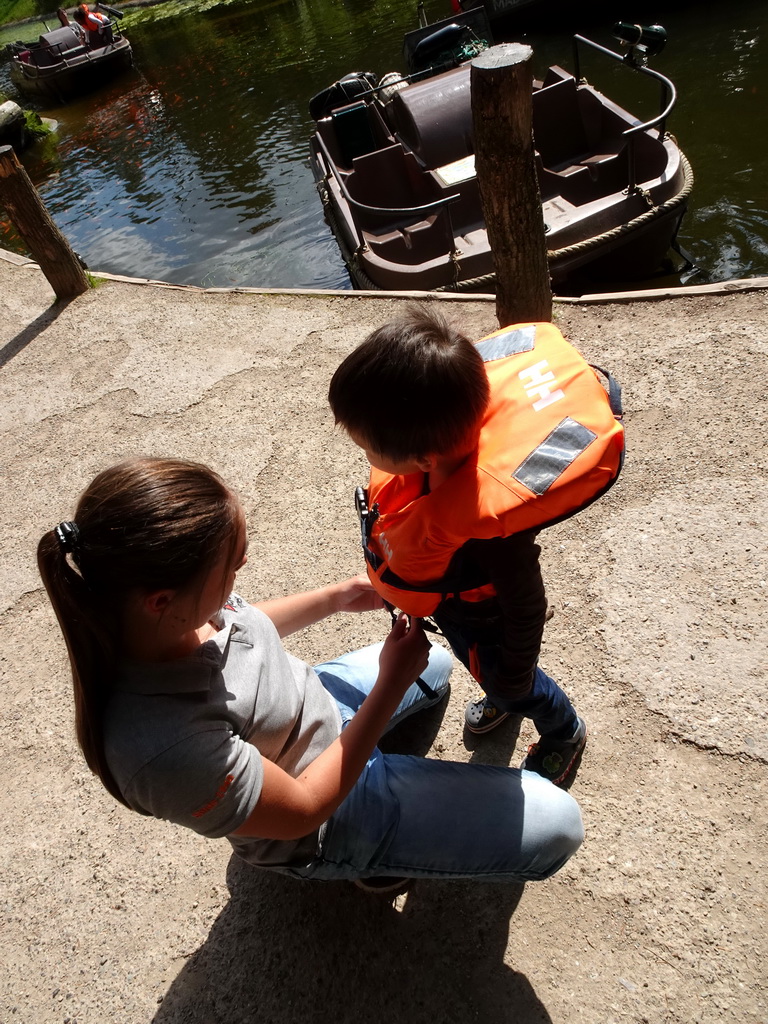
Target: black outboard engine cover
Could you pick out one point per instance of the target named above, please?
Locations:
(345, 91)
(430, 47)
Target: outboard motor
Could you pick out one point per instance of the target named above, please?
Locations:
(346, 90)
(436, 45)
(642, 41)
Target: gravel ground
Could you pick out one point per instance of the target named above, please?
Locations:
(658, 635)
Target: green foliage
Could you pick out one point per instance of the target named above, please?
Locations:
(169, 9)
(34, 126)
(17, 10)
(12, 13)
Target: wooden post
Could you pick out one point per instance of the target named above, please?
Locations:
(19, 197)
(502, 110)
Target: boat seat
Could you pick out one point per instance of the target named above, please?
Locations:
(392, 179)
(353, 131)
(558, 129)
(48, 58)
(45, 58)
(592, 178)
(389, 178)
(413, 244)
(104, 38)
(581, 152)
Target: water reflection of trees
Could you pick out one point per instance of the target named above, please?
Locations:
(205, 144)
(235, 82)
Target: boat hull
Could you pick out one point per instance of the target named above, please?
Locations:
(633, 253)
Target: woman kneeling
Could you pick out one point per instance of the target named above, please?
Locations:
(189, 708)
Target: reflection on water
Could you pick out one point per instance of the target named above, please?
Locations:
(192, 168)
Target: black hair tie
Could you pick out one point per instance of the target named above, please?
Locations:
(68, 536)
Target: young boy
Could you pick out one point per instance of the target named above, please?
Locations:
(444, 533)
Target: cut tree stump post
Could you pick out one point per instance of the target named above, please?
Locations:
(502, 113)
(19, 197)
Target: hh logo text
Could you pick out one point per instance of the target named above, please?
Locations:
(537, 381)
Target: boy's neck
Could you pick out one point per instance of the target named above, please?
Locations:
(443, 467)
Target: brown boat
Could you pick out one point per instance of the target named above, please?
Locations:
(394, 165)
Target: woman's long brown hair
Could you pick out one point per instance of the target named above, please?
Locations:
(142, 525)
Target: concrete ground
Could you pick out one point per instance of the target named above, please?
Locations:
(658, 635)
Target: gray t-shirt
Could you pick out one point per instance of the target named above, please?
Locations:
(185, 739)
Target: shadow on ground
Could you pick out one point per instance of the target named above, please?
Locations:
(310, 951)
(283, 949)
(32, 331)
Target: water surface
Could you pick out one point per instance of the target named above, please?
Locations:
(192, 168)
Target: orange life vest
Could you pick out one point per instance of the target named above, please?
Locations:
(551, 443)
(94, 21)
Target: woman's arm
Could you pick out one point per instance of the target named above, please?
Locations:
(290, 808)
(290, 614)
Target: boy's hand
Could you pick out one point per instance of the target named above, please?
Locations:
(357, 595)
(405, 653)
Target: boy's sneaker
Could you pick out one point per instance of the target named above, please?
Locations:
(482, 716)
(556, 759)
(388, 885)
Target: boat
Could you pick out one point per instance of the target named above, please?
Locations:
(60, 65)
(393, 162)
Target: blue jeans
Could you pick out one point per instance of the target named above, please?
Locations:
(422, 818)
(547, 705)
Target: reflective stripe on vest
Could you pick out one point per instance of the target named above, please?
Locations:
(507, 343)
(554, 455)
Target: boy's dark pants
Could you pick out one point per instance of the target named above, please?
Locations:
(547, 705)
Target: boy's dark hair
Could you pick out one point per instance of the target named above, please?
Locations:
(414, 387)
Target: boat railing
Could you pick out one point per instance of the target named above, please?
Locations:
(667, 101)
(381, 211)
(66, 59)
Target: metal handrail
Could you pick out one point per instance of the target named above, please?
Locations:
(668, 100)
(383, 211)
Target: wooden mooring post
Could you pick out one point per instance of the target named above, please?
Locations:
(502, 112)
(19, 197)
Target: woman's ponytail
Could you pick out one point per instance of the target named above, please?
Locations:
(143, 525)
(91, 650)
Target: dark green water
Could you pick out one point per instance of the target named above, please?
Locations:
(192, 168)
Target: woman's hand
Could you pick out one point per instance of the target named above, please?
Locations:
(357, 595)
(405, 653)
(289, 808)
